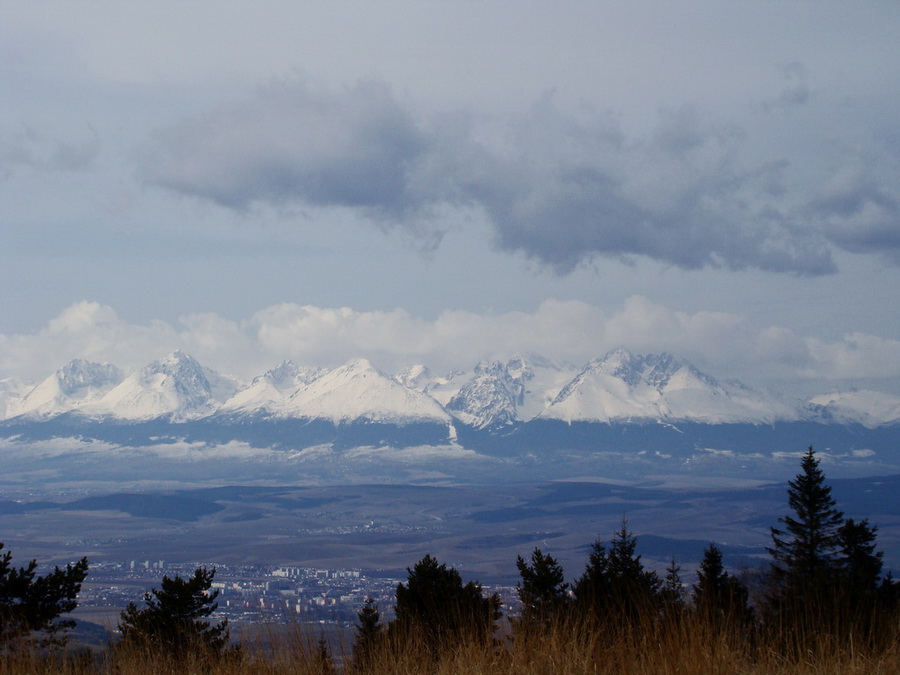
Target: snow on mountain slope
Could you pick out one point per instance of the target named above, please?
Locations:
(418, 377)
(869, 408)
(616, 387)
(221, 387)
(439, 387)
(621, 386)
(11, 391)
(73, 386)
(495, 393)
(357, 390)
(492, 397)
(175, 385)
(267, 390)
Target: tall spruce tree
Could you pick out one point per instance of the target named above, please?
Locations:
(805, 551)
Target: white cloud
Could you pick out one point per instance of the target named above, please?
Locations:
(856, 356)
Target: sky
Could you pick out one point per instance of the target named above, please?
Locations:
(449, 182)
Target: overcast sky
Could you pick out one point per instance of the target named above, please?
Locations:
(447, 182)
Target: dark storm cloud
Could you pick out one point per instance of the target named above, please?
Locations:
(565, 190)
(294, 143)
(560, 188)
(860, 208)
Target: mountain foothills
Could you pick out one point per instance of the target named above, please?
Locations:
(618, 402)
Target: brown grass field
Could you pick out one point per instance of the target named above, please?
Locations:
(685, 645)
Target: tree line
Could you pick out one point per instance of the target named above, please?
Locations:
(824, 578)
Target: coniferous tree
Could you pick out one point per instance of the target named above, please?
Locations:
(174, 619)
(31, 603)
(542, 591)
(368, 633)
(717, 594)
(860, 586)
(672, 592)
(805, 552)
(436, 604)
(615, 583)
(860, 562)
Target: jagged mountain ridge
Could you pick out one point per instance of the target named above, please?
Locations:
(621, 386)
(265, 391)
(176, 385)
(77, 384)
(618, 387)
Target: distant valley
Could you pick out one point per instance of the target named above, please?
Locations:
(355, 468)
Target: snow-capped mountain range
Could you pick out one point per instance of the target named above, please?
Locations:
(617, 388)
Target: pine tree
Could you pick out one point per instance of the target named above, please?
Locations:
(859, 561)
(615, 583)
(542, 590)
(175, 617)
(368, 634)
(31, 603)
(436, 604)
(717, 594)
(805, 553)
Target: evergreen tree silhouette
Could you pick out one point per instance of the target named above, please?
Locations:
(805, 551)
(718, 595)
(614, 583)
(542, 590)
(174, 618)
(437, 605)
(31, 603)
(368, 633)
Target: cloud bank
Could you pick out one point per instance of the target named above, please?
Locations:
(572, 331)
(562, 188)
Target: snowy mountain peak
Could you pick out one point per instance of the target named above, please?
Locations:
(869, 408)
(621, 364)
(617, 387)
(184, 374)
(74, 385)
(359, 391)
(283, 375)
(493, 397)
(520, 369)
(79, 374)
(175, 385)
(622, 386)
(265, 391)
(416, 377)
